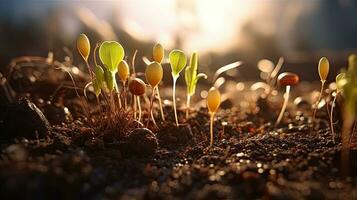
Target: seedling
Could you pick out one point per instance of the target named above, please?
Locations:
(111, 53)
(158, 53)
(286, 79)
(123, 73)
(137, 87)
(98, 82)
(191, 78)
(178, 62)
(153, 74)
(323, 69)
(213, 102)
(83, 46)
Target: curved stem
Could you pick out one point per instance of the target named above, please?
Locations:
(139, 106)
(89, 70)
(331, 118)
(286, 99)
(160, 103)
(211, 129)
(318, 101)
(188, 106)
(174, 99)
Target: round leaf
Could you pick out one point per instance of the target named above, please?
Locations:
(111, 53)
(177, 61)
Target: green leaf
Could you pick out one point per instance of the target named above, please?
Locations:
(99, 76)
(111, 53)
(109, 79)
(177, 61)
(97, 87)
(191, 76)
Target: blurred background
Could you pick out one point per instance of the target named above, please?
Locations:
(222, 31)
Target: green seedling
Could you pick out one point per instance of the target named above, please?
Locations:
(323, 69)
(286, 79)
(98, 82)
(153, 74)
(191, 78)
(137, 87)
(123, 73)
(111, 53)
(178, 62)
(83, 46)
(213, 102)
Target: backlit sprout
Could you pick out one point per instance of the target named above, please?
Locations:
(191, 78)
(153, 74)
(158, 53)
(286, 79)
(137, 87)
(213, 102)
(323, 69)
(123, 73)
(83, 46)
(340, 83)
(111, 53)
(178, 62)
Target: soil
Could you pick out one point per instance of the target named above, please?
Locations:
(80, 158)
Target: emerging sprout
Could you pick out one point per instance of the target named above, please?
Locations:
(158, 53)
(138, 88)
(178, 62)
(123, 73)
(286, 79)
(191, 78)
(83, 46)
(99, 81)
(111, 53)
(340, 83)
(323, 69)
(153, 74)
(213, 102)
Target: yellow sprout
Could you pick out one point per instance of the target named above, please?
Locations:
(123, 70)
(83, 46)
(154, 73)
(158, 53)
(323, 68)
(213, 102)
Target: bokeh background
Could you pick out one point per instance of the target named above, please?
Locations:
(222, 31)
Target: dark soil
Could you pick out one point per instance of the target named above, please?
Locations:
(86, 158)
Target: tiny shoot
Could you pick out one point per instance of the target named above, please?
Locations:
(286, 79)
(191, 78)
(158, 53)
(323, 69)
(83, 46)
(178, 62)
(123, 73)
(153, 74)
(213, 102)
(137, 87)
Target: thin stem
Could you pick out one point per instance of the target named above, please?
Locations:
(161, 109)
(188, 106)
(124, 95)
(134, 105)
(331, 117)
(89, 70)
(286, 99)
(150, 108)
(211, 128)
(139, 106)
(174, 99)
(318, 101)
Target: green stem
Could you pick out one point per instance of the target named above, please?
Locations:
(188, 106)
(174, 99)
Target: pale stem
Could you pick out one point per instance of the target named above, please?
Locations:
(89, 70)
(318, 101)
(211, 128)
(139, 106)
(124, 95)
(134, 105)
(188, 106)
(161, 109)
(286, 99)
(331, 118)
(151, 105)
(174, 99)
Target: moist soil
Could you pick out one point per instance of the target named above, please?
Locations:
(249, 160)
